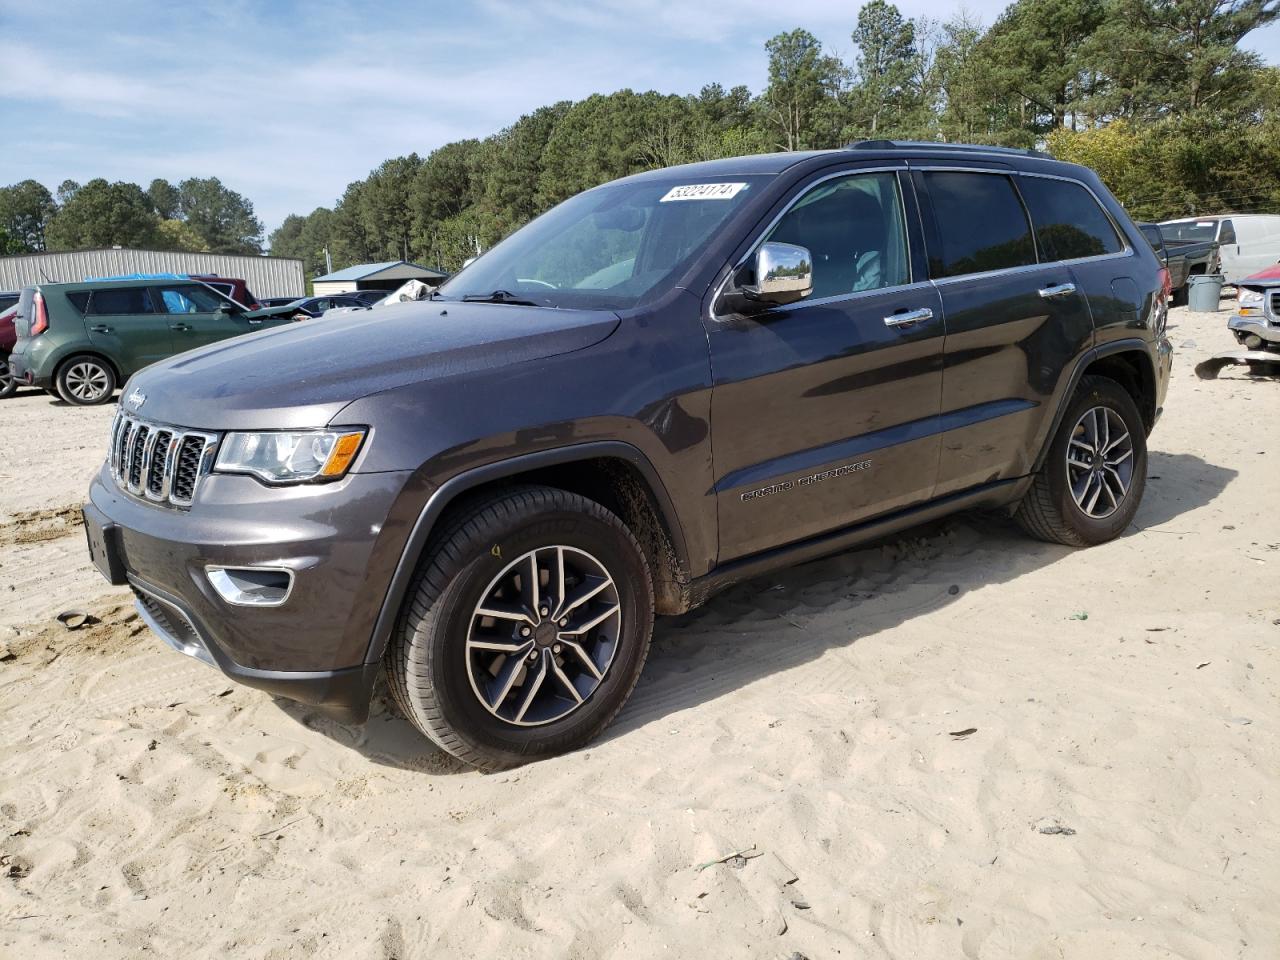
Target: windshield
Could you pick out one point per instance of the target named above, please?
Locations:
(608, 248)
(1190, 230)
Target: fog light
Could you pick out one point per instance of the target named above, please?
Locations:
(251, 586)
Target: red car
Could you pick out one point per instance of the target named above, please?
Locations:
(8, 337)
(232, 287)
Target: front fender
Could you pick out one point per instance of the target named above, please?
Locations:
(439, 498)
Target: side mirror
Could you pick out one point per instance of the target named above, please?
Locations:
(784, 274)
(227, 307)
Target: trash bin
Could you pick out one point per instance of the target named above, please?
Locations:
(1204, 292)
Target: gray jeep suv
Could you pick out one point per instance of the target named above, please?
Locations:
(663, 386)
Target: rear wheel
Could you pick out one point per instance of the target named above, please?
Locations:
(1092, 481)
(525, 630)
(86, 380)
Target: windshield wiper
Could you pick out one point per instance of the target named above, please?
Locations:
(499, 296)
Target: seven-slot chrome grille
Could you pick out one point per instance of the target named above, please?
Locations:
(157, 462)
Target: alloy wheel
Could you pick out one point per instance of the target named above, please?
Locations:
(543, 636)
(1099, 462)
(87, 381)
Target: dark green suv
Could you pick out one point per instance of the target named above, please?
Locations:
(84, 339)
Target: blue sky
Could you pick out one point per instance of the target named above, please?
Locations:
(289, 102)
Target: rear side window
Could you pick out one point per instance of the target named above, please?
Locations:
(1069, 222)
(79, 300)
(115, 301)
(981, 224)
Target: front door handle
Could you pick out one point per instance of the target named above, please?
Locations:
(255, 321)
(180, 327)
(101, 328)
(1057, 290)
(905, 318)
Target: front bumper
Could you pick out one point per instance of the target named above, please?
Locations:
(340, 541)
(1259, 326)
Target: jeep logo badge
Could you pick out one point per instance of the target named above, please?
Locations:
(137, 398)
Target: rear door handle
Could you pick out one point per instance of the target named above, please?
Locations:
(101, 328)
(1057, 290)
(905, 318)
(180, 327)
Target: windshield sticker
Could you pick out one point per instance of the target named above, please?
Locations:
(704, 191)
(1206, 223)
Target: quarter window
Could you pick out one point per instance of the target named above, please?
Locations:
(118, 301)
(1069, 222)
(981, 224)
(853, 230)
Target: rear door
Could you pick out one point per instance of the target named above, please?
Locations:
(122, 323)
(1073, 229)
(1013, 324)
(824, 412)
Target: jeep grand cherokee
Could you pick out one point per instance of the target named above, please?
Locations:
(663, 386)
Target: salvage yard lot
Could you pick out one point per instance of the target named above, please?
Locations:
(1129, 693)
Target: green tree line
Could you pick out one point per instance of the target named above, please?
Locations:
(197, 215)
(1157, 95)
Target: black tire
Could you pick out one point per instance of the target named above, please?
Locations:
(429, 670)
(85, 380)
(8, 385)
(1049, 510)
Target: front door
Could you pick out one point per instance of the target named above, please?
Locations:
(123, 324)
(198, 315)
(824, 412)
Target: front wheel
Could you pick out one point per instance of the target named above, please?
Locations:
(1092, 481)
(526, 628)
(85, 381)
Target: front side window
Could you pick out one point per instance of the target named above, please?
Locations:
(189, 298)
(609, 248)
(118, 301)
(1228, 234)
(853, 229)
(981, 224)
(1069, 222)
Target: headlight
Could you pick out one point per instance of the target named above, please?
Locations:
(1246, 296)
(290, 457)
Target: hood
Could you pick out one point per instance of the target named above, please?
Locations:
(302, 374)
(277, 311)
(1269, 276)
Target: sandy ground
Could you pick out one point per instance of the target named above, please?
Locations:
(1119, 795)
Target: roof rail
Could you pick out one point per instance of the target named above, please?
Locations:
(937, 145)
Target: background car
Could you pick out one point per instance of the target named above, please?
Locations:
(8, 299)
(8, 336)
(369, 297)
(82, 340)
(308, 308)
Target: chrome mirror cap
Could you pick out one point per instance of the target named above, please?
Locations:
(784, 274)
